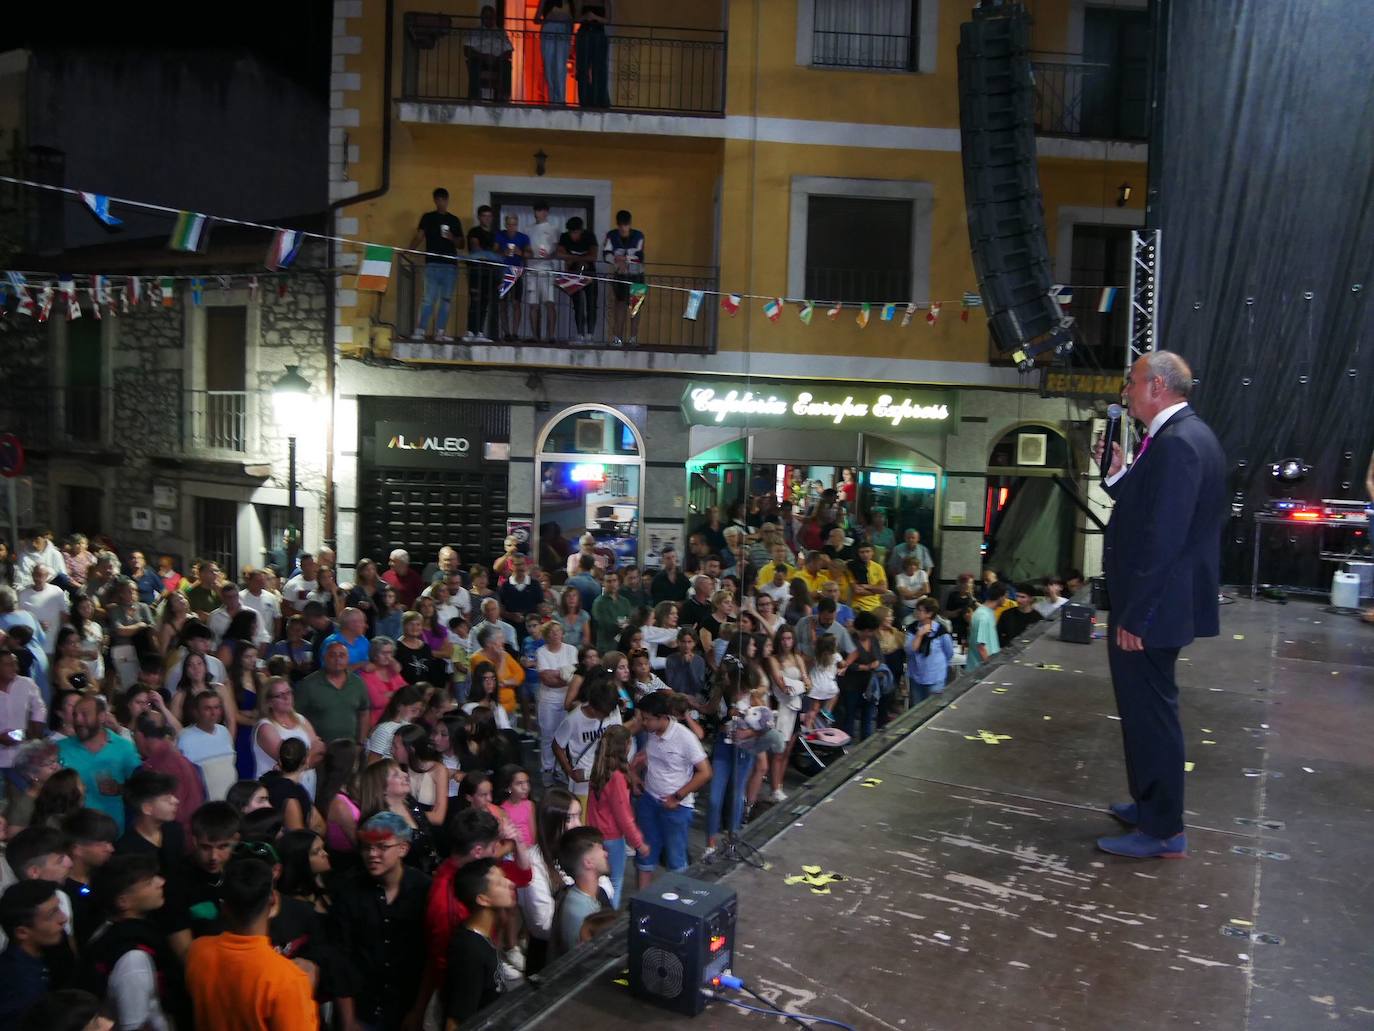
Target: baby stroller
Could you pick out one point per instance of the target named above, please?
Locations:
(818, 748)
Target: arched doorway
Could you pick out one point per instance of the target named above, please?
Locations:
(589, 476)
(1028, 521)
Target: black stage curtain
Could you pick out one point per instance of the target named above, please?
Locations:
(1263, 189)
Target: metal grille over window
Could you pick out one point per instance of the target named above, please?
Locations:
(875, 34)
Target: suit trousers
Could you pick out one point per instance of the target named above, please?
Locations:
(1147, 700)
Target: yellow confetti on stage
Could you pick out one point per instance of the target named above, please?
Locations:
(811, 869)
(987, 737)
(1237, 637)
(1189, 767)
(871, 782)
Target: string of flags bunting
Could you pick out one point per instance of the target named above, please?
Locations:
(191, 234)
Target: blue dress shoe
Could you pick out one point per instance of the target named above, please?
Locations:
(1127, 812)
(1139, 845)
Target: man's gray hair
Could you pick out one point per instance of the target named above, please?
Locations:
(1172, 370)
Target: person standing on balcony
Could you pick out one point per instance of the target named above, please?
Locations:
(555, 39)
(482, 279)
(593, 55)
(577, 249)
(539, 290)
(624, 250)
(488, 52)
(441, 234)
(514, 247)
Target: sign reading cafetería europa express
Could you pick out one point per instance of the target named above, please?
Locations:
(812, 407)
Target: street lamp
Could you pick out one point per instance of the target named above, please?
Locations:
(289, 397)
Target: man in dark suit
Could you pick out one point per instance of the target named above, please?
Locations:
(1161, 558)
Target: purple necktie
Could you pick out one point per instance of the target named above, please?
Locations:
(1144, 443)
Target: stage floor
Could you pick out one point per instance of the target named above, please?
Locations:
(974, 896)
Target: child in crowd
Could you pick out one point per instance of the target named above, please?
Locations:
(825, 686)
(512, 787)
(608, 803)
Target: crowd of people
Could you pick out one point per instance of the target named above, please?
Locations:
(394, 798)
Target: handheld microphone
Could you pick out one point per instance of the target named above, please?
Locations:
(1110, 437)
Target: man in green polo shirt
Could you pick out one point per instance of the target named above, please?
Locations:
(610, 613)
(333, 699)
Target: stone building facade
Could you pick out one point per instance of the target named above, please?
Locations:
(155, 427)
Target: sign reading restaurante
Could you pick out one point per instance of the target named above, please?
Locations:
(812, 406)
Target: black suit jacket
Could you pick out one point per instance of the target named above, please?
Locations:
(1163, 543)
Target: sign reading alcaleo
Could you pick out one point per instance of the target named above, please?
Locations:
(812, 406)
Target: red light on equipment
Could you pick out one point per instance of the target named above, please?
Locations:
(1306, 517)
(717, 942)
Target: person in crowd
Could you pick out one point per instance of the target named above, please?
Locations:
(520, 595)
(685, 671)
(302, 586)
(266, 604)
(62, 794)
(582, 856)
(37, 546)
(202, 589)
(171, 620)
(129, 955)
(487, 53)
(490, 609)
(155, 739)
(1054, 599)
(983, 642)
(608, 804)
(509, 673)
(514, 248)
(379, 914)
(216, 828)
(196, 639)
(31, 765)
(558, 812)
(911, 585)
(23, 714)
(610, 612)
(670, 582)
(1014, 622)
(577, 250)
(473, 965)
(153, 830)
(930, 650)
(102, 759)
(20, 630)
(33, 921)
(822, 623)
(206, 742)
(674, 767)
(352, 633)
(277, 721)
(403, 577)
(47, 603)
(623, 250)
(789, 683)
(402, 708)
(305, 869)
(336, 796)
(91, 842)
(556, 663)
(574, 743)
(231, 606)
(911, 545)
(582, 581)
(168, 574)
(382, 674)
(482, 279)
(440, 233)
(236, 979)
(333, 699)
(246, 686)
(414, 752)
(285, 793)
(959, 606)
(858, 682)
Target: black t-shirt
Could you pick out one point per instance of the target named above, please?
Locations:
(1013, 623)
(169, 856)
(281, 788)
(585, 247)
(691, 612)
(432, 224)
(472, 979)
(480, 238)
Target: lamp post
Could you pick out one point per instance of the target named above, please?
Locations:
(289, 396)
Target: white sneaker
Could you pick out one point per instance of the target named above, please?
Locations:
(616, 342)
(443, 338)
(510, 977)
(481, 338)
(708, 854)
(633, 341)
(469, 337)
(515, 958)
(779, 795)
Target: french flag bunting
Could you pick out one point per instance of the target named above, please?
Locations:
(285, 246)
(730, 302)
(773, 308)
(100, 208)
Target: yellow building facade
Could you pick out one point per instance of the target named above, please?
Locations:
(724, 123)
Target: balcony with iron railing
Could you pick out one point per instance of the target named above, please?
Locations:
(661, 325)
(628, 68)
(1078, 98)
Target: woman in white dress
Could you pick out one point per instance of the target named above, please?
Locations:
(277, 721)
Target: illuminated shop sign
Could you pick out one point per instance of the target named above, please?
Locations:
(810, 406)
(911, 481)
(419, 445)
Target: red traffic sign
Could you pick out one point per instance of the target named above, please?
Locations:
(11, 456)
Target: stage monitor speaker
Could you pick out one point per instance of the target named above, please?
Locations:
(1006, 219)
(1076, 623)
(682, 935)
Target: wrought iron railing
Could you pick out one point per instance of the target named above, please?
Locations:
(218, 420)
(857, 285)
(870, 50)
(661, 325)
(1098, 101)
(623, 68)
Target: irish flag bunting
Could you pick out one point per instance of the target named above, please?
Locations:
(807, 310)
(773, 308)
(865, 310)
(730, 302)
(375, 271)
(834, 313)
(167, 290)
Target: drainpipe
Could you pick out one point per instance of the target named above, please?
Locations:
(329, 307)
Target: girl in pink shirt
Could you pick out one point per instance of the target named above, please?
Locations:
(608, 802)
(512, 786)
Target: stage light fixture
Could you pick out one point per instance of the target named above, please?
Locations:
(1289, 470)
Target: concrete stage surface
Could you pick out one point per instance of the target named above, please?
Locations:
(975, 898)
